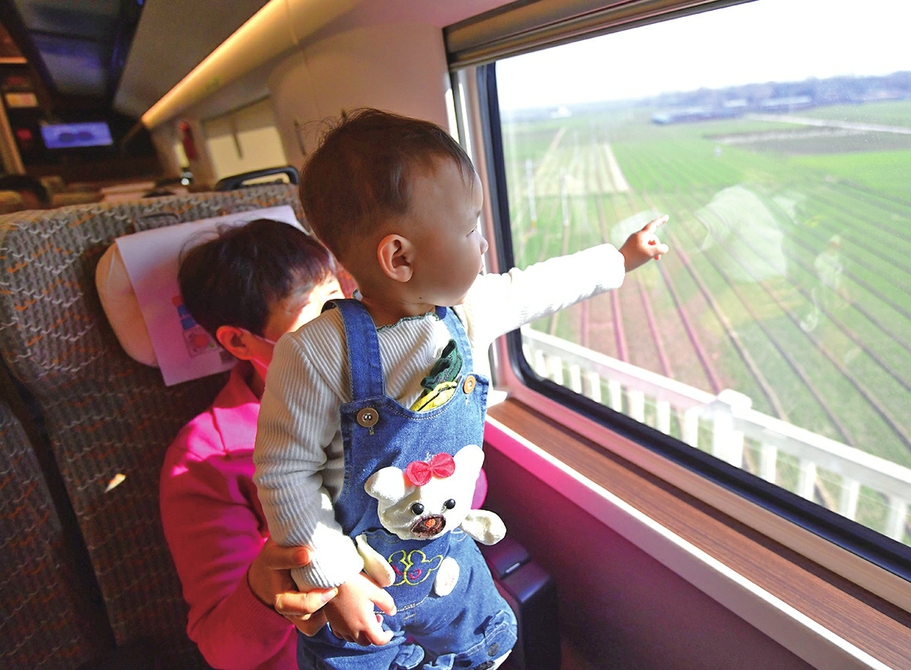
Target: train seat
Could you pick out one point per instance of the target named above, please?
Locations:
(48, 616)
(274, 175)
(107, 419)
(75, 198)
(10, 201)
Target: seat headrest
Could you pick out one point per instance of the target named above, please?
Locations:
(118, 299)
(136, 280)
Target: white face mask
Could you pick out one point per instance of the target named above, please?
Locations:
(258, 364)
(261, 338)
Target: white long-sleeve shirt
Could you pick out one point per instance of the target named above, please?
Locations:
(299, 452)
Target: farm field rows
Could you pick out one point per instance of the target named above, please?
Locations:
(788, 274)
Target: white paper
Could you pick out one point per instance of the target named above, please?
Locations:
(183, 349)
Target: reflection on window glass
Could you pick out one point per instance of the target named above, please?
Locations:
(776, 334)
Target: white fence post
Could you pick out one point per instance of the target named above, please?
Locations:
(636, 404)
(593, 382)
(806, 480)
(663, 408)
(898, 512)
(727, 443)
(691, 426)
(575, 377)
(768, 462)
(850, 495)
(556, 369)
(615, 395)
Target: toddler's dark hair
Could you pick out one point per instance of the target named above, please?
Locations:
(361, 173)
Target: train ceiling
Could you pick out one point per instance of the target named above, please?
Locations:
(124, 55)
(118, 54)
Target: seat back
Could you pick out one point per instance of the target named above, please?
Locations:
(10, 201)
(48, 617)
(107, 417)
(247, 179)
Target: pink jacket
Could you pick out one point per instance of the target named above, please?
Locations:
(214, 526)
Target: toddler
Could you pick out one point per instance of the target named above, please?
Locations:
(373, 413)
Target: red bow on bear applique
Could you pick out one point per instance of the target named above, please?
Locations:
(420, 472)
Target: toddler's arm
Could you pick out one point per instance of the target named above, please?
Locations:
(295, 426)
(499, 303)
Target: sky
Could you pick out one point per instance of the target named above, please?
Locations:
(766, 40)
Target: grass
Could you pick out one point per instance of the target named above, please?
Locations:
(752, 226)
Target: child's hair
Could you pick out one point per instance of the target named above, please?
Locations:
(24, 182)
(361, 173)
(237, 277)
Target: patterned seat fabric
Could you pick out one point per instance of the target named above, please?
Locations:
(107, 416)
(47, 617)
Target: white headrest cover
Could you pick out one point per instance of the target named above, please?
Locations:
(118, 299)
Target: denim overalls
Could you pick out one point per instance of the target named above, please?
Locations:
(471, 626)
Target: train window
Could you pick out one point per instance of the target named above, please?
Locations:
(776, 334)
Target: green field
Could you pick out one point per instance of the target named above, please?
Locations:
(790, 257)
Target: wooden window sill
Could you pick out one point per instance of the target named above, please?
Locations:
(850, 613)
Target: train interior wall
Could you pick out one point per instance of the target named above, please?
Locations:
(618, 606)
(400, 68)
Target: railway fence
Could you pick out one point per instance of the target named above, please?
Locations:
(726, 425)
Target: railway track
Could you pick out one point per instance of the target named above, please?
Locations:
(591, 172)
(876, 403)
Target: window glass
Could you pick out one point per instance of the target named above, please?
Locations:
(776, 334)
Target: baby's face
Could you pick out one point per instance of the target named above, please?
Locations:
(445, 206)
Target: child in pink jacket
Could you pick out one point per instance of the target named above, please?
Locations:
(212, 518)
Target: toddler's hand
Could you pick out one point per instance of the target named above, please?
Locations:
(644, 245)
(351, 615)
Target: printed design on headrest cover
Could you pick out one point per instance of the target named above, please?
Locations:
(196, 338)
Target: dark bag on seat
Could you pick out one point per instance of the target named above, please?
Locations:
(532, 594)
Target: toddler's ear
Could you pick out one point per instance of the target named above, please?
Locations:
(394, 256)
